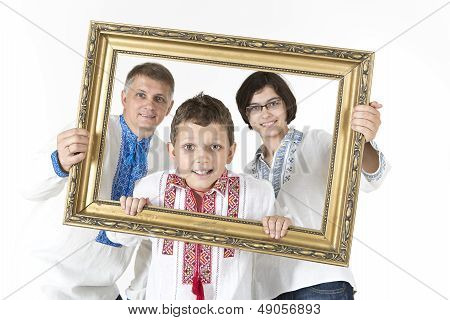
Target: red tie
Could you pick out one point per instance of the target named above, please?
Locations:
(197, 286)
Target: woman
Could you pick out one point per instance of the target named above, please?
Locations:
(296, 163)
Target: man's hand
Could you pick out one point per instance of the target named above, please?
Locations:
(366, 119)
(72, 146)
(133, 206)
(276, 226)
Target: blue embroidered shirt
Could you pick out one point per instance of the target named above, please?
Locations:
(132, 166)
(283, 161)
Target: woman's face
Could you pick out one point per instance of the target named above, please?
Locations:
(270, 121)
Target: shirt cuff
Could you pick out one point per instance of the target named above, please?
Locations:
(375, 176)
(57, 167)
(103, 238)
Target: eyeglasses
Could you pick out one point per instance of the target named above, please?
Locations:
(270, 106)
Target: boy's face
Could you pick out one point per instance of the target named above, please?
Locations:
(201, 153)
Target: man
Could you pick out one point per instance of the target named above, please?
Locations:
(82, 263)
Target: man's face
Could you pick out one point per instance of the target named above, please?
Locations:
(271, 121)
(201, 153)
(145, 104)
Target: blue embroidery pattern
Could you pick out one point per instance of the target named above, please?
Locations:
(283, 162)
(103, 238)
(295, 138)
(58, 170)
(132, 166)
(283, 157)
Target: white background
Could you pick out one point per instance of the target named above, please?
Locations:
(400, 241)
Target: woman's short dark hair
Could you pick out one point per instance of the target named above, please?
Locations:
(258, 81)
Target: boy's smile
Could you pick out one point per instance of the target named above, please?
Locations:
(201, 154)
(203, 173)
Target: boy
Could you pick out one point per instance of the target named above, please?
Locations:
(202, 143)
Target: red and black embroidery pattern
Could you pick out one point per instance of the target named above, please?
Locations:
(209, 207)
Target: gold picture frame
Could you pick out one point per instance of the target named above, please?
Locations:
(353, 69)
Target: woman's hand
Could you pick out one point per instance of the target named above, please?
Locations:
(366, 119)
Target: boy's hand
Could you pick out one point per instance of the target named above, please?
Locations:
(276, 226)
(133, 206)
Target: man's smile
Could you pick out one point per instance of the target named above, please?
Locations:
(147, 116)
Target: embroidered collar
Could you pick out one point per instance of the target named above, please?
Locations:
(131, 140)
(220, 186)
(292, 135)
(132, 163)
(132, 166)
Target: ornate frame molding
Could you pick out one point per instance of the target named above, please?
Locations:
(353, 68)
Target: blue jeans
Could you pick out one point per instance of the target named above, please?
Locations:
(337, 290)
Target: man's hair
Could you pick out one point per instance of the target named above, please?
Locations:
(153, 71)
(257, 81)
(202, 110)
